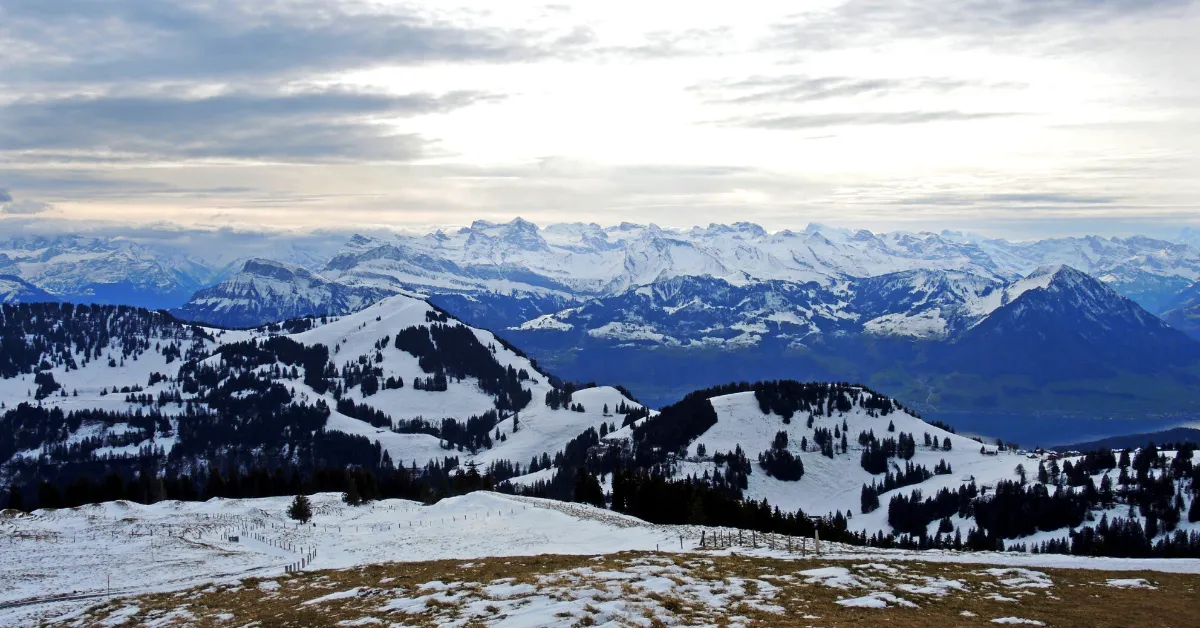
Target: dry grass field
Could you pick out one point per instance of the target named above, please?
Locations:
(649, 589)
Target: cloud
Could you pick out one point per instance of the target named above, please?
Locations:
(141, 40)
(329, 125)
(805, 88)
(1008, 200)
(658, 45)
(1046, 198)
(23, 207)
(967, 23)
(875, 118)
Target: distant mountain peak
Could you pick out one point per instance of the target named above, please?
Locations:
(1056, 270)
(267, 291)
(750, 229)
(522, 224)
(480, 225)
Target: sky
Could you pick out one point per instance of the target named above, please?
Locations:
(1013, 118)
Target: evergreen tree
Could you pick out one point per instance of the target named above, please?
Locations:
(869, 499)
(15, 501)
(1194, 511)
(351, 496)
(587, 488)
(301, 509)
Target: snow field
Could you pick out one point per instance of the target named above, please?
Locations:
(172, 546)
(644, 589)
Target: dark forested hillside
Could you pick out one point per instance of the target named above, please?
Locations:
(40, 336)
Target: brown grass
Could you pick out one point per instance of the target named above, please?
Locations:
(1077, 597)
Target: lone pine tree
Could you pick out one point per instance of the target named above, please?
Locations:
(352, 497)
(301, 509)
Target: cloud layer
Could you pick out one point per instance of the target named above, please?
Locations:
(1014, 115)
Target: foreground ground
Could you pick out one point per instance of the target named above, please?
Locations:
(488, 559)
(654, 589)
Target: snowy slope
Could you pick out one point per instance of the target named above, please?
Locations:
(829, 484)
(834, 484)
(539, 428)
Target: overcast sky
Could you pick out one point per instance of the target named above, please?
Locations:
(1018, 118)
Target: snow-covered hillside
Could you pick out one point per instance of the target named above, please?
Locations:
(538, 428)
(153, 377)
(835, 483)
(832, 478)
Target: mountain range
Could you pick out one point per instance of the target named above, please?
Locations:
(1055, 342)
(949, 322)
(573, 261)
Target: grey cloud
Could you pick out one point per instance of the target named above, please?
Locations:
(1073, 199)
(25, 207)
(139, 40)
(672, 44)
(803, 88)
(329, 125)
(881, 118)
(1008, 200)
(10, 206)
(971, 22)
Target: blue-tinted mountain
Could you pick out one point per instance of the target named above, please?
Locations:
(1057, 339)
(1183, 310)
(264, 291)
(16, 290)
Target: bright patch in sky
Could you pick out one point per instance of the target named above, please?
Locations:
(1017, 117)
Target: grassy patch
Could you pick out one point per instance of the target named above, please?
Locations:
(677, 590)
